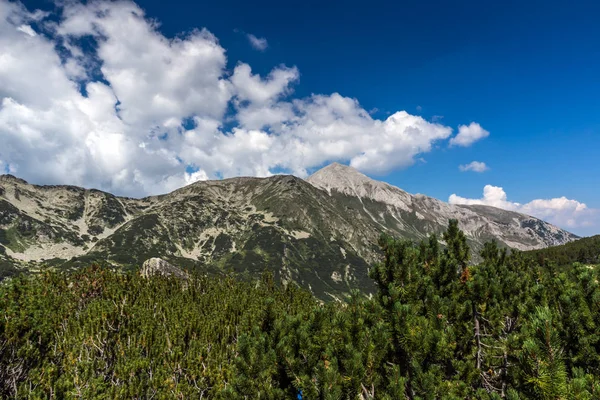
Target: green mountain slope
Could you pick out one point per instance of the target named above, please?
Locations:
(585, 250)
(320, 233)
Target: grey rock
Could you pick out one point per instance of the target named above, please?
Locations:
(416, 216)
(158, 266)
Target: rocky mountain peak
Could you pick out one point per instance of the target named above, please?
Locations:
(415, 214)
(350, 182)
(11, 178)
(338, 172)
(342, 178)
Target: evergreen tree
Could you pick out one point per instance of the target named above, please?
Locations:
(439, 327)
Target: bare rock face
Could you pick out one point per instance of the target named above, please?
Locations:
(158, 266)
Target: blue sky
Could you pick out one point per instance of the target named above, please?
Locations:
(527, 73)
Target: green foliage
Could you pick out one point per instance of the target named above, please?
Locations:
(585, 250)
(7, 268)
(541, 357)
(97, 333)
(437, 328)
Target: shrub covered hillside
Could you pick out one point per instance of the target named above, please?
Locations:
(437, 329)
(585, 250)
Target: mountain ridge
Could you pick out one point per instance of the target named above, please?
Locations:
(320, 233)
(337, 170)
(343, 180)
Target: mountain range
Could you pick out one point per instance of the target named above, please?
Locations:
(320, 233)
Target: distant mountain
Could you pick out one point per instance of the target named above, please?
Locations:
(320, 233)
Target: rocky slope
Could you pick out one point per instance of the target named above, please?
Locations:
(320, 233)
(416, 216)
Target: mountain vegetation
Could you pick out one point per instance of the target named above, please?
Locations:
(320, 233)
(437, 327)
(585, 250)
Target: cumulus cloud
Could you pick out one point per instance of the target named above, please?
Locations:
(260, 91)
(475, 166)
(468, 134)
(158, 81)
(260, 44)
(140, 113)
(560, 211)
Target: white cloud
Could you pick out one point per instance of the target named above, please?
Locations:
(560, 211)
(492, 196)
(191, 177)
(260, 44)
(27, 29)
(475, 166)
(158, 81)
(257, 90)
(129, 132)
(469, 134)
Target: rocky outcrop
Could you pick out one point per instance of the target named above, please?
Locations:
(158, 266)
